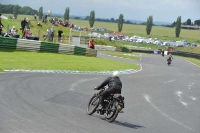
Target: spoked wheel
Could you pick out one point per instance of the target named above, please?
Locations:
(112, 113)
(92, 105)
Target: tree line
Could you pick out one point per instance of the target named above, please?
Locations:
(26, 10)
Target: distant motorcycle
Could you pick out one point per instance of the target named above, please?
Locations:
(113, 105)
(169, 62)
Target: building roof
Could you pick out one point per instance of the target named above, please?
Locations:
(190, 26)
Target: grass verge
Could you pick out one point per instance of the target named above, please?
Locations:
(193, 60)
(53, 61)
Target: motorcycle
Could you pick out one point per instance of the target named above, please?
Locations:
(113, 105)
(169, 62)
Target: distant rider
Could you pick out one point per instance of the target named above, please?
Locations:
(114, 87)
(169, 58)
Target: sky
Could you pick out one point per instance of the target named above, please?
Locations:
(140, 10)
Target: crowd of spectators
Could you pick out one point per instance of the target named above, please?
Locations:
(50, 32)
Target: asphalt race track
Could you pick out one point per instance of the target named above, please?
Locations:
(158, 99)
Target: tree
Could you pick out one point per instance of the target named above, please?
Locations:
(197, 22)
(120, 22)
(149, 24)
(173, 24)
(66, 15)
(92, 18)
(112, 20)
(189, 22)
(87, 17)
(40, 13)
(178, 26)
(15, 11)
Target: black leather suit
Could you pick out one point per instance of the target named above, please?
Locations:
(114, 87)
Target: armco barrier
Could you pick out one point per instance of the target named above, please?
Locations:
(142, 51)
(29, 45)
(91, 52)
(179, 53)
(102, 47)
(66, 49)
(186, 54)
(8, 43)
(49, 47)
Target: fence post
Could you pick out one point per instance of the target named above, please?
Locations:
(8, 30)
(39, 34)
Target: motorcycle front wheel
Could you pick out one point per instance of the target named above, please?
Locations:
(92, 105)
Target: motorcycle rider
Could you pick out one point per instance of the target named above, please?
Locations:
(114, 87)
(169, 58)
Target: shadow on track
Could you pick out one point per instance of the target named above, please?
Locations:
(126, 124)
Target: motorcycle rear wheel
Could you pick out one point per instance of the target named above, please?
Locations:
(115, 111)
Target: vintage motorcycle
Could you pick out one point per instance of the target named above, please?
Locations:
(169, 62)
(113, 105)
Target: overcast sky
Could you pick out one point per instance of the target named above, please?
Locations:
(162, 10)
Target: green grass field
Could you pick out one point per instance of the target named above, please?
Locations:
(159, 32)
(189, 49)
(49, 61)
(193, 60)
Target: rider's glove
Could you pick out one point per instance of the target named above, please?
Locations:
(96, 88)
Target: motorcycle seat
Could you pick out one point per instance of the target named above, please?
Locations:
(117, 95)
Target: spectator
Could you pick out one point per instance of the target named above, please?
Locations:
(43, 19)
(39, 24)
(86, 30)
(28, 24)
(1, 30)
(48, 34)
(30, 36)
(4, 34)
(23, 25)
(92, 43)
(1, 25)
(59, 35)
(52, 33)
(14, 32)
(35, 17)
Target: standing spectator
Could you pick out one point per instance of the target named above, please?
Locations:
(163, 53)
(23, 25)
(59, 35)
(86, 30)
(43, 19)
(1, 25)
(1, 30)
(92, 43)
(52, 33)
(48, 34)
(28, 24)
(35, 17)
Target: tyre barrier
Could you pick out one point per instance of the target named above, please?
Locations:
(8, 43)
(40, 46)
